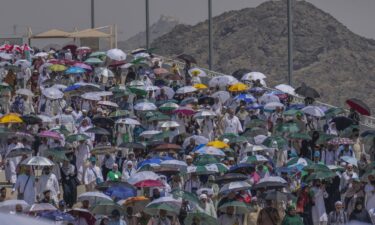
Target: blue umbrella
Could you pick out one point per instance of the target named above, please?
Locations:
(75, 70)
(149, 161)
(248, 98)
(57, 216)
(121, 192)
(296, 106)
(240, 166)
(255, 106)
(72, 87)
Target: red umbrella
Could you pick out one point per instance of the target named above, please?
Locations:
(359, 106)
(90, 219)
(149, 183)
(186, 111)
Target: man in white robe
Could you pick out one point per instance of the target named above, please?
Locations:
(93, 176)
(26, 184)
(232, 124)
(82, 154)
(230, 218)
(319, 214)
(48, 181)
(127, 171)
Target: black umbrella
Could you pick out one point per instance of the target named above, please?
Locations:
(98, 130)
(342, 122)
(31, 119)
(277, 196)
(187, 58)
(103, 120)
(240, 72)
(136, 145)
(307, 91)
(206, 100)
(230, 177)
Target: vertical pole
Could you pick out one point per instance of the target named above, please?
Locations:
(147, 25)
(115, 35)
(290, 42)
(210, 45)
(92, 14)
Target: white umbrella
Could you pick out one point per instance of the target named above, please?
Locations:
(259, 139)
(128, 121)
(313, 111)
(42, 207)
(197, 72)
(253, 76)
(149, 133)
(145, 106)
(273, 105)
(92, 96)
(235, 186)
(108, 103)
(186, 89)
(9, 219)
(222, 81)
(105, 72)
(169, 124)
(271, 181)
(102, 93)
(222, 95)
(286, 89)
(93, 197)
(41, 54)
(136, 83)
(61, 87)
(268, 98)
(167, 90)
(208, 150)
(5, 63)
(45, 119)
(37, 161)
(177, 164)
(116, 54)
(10, 205)
(199, 140)
(6, 56)
(23, 63)
(258, 148)
(141, 176)
(204, 113)
(52, 93)
(24, 91)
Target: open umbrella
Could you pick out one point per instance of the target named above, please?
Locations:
(9, 219)
(275, 142)
(57, 68)
(223, 96)
(313, 111)
(137, 203)
(230, 177)
(205, 113)
(254, 159)
(19, 152)
(197, 139)
(286, 88)
(321, 175)
(100, 120)
(105, 72)
(11, 118)
(108, 103)
(222, 81)
(239, 207)
(169, 124)
(116, 54)
(31, 119)
(253, 76)
(350, 160)
(50, 134)
(97, 130)
(289, 127)
(186, 89)
(76, 137)
(145, 106)
(167, 147)
(10, 205)
(359, 106)
(37, 161)
(273, 105)
(238, 87)
(52, 93)
(199, 217)
(39, 207)
(342, 122)
(218, 144)
(271, 182)
(208, 150)
(235, 186)
(89, 217)
(57, 216)
(93, 197)
(300, 136)
(106, 208)
(75, 70)
(307, 91)
(341, 141)
(141, 176)
(197, 72)
(24, 91)
(93, 61)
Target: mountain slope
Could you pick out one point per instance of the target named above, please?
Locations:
(327, 55)
(159, 28)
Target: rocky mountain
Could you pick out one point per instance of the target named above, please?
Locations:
(164, 25)
(327, 55)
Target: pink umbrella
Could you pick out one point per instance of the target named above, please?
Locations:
(50, 134)
(83, 66)
(149, 183)
(185, 111)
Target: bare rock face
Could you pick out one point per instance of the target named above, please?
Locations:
(327, 55)
(164, 25)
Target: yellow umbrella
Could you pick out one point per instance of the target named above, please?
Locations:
(200, 86)
(238, 87)
(57, 68)
(218, 144)
(11, 118)
(137, 203)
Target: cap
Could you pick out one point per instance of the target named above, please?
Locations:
(189, 157)
(129, 163)
(203, 196)
(338, 203)
(69, 109)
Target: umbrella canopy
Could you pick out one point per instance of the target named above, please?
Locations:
(9, 219)
(169, 124)
(103, 120)
(239, 207)
(254, 159)
(359, 106)
(93, 61)
(57, 216)
(222, 81)
(166, 147)
(197, 139)
(342, 122)
(19, 152)
(208, 150)
(10, 205)
(350, 160)
(200, 86)
(289, 127)
(218, 144)
(341, 141)
(273, 105)
(307, 91)
(108, 103)
(230, 177)
(168, 106)
(106, 208)
(116, 54)
(204, 113)
(223, 96)
(235, 186)
(198, 217)
(186, 89)
(275, 142)
(271, 182)
(76, 137)
(97, 130)
(313, 111)
(300, 136)
(141, 176)
(42, 207)
(253, 76)
(75, 70)
(286, 88)
(208, 169)
(57, 68)
(321, 175)
(24, 91)
(37, 161)
(137, 203)
(197, 72)
(175, 164)
(52, 93)
(11, 118)
(105, 72)
(85, 214)
(50, 134)
(237, 87)
(93, 197)
(145, 106)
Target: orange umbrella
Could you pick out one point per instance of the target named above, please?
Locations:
(137, 203)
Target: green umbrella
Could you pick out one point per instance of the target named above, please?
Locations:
(138, 61)
(198, 217)
(159, 118)
(316, 167)
(161, 136)
(324, 138)
(188, 196)
(102, 150)
(137, 91)
(154, 209)
(208, 169)
(292, 112)
(288, 128)
(239, 139)
(275, 142)
(321, 175)
(296, 160)
(332, 112)
(5, 87)
(169, 106)
(76, 137)
(240, 207)
(106, 208)
(93, 61)
(256, 123)
(370, 172)
(119, 113)
(206, 159)
(98, 54)
(255, 132)
(98, 130)
(300, 136)
(228, 136)
(56, 155)
(62, 130)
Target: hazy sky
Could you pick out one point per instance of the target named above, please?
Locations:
(357, 15)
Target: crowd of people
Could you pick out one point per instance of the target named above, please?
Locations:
(91, 137)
